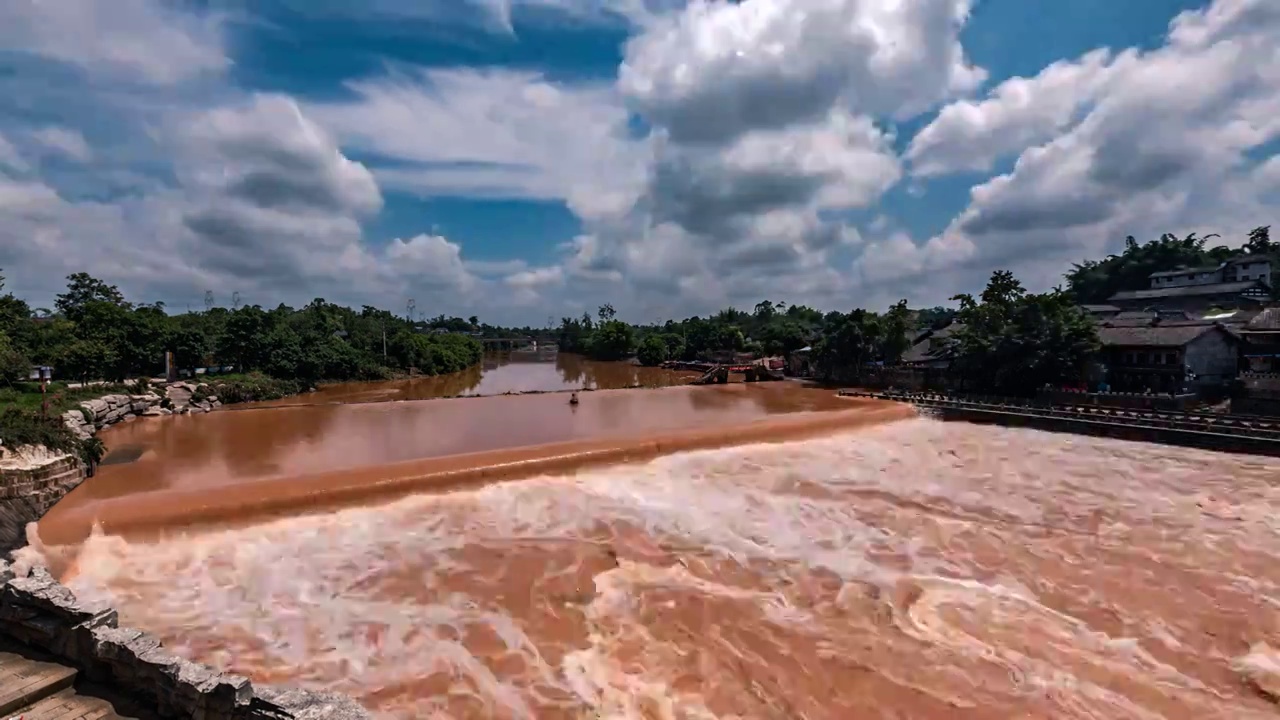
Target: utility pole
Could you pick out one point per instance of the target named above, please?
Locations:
(208, 300)
(384, 342)
(409, 308)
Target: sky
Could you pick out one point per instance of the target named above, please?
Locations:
(525, 160)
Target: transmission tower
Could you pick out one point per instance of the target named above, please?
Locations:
(208, 300)
(235, 300)
(409, 308)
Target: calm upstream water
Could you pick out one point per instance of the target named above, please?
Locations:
(500, 373)
(910, 569)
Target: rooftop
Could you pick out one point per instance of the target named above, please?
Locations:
(1099, 308)
(1266, 321)
(1155, 335)
(1187, 271)
(923, 350)
(1240, 287)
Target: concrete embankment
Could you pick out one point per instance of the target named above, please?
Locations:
(147, 514)
(38, 612)
(1184, 429)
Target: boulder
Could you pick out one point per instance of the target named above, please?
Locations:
(97, 407)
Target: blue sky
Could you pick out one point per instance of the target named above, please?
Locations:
(521, 159)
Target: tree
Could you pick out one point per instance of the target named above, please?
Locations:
(653, 351)
(190, 347)
(14, 366)
(1259, 242)
(606, 313)
(1013, 343)
(612, 340)
(1095, 281)
(87, 360)
(82, 289)
(782, 336)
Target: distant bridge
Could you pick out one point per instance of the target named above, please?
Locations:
(510, 343)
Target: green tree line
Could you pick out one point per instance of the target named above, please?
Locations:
(96, 334)
(1094, 281)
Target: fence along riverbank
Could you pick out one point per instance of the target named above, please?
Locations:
(1254, 436)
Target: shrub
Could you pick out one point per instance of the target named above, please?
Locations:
(21, 427)
(653, 351)
(252, 388)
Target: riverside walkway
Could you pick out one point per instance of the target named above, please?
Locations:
(1252, 435)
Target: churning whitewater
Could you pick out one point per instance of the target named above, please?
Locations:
(916, 569)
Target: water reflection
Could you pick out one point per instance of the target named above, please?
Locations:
(498, 373)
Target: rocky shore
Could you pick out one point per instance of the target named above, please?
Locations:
(179, 398)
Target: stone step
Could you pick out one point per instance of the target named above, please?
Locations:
(69, 705)
(24, 682)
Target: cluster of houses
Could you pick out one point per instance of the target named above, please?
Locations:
(1194, 330)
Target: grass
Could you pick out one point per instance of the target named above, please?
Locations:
(19, 426)
(26, 396)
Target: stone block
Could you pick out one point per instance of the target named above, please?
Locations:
(97, 407)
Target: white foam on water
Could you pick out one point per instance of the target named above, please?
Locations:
(915, 569)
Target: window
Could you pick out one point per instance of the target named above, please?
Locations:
(1171, 358)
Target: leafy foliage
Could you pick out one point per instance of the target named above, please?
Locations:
(14, 365)
(251, 387)
(19, 427)
(1094, 281)
(853, 341)
(98, 335)
(653, 351)
(1013, 342)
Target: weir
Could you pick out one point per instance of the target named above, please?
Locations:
(154, 513)
(41, 618)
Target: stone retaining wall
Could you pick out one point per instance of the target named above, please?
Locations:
(28, 490)
(178, 399)
(37, 611)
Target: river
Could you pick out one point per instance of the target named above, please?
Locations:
(908, 569)
(503, 373)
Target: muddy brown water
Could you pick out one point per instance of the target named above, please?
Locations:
(502, 373)
(905, 569)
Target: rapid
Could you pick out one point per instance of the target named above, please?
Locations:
(913, 569)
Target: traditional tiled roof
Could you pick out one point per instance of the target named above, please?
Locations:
(1099, 308)
(923, 350)
(1187, 271)
(1230, 288)
(1176, 335)
(1266, 321)
(1153, 314)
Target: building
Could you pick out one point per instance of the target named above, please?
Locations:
(1261, 342)
(1237, 269)
(1238, 294)
(1100, 312)
(800, 362)
(932, 349)
(1170, 357)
